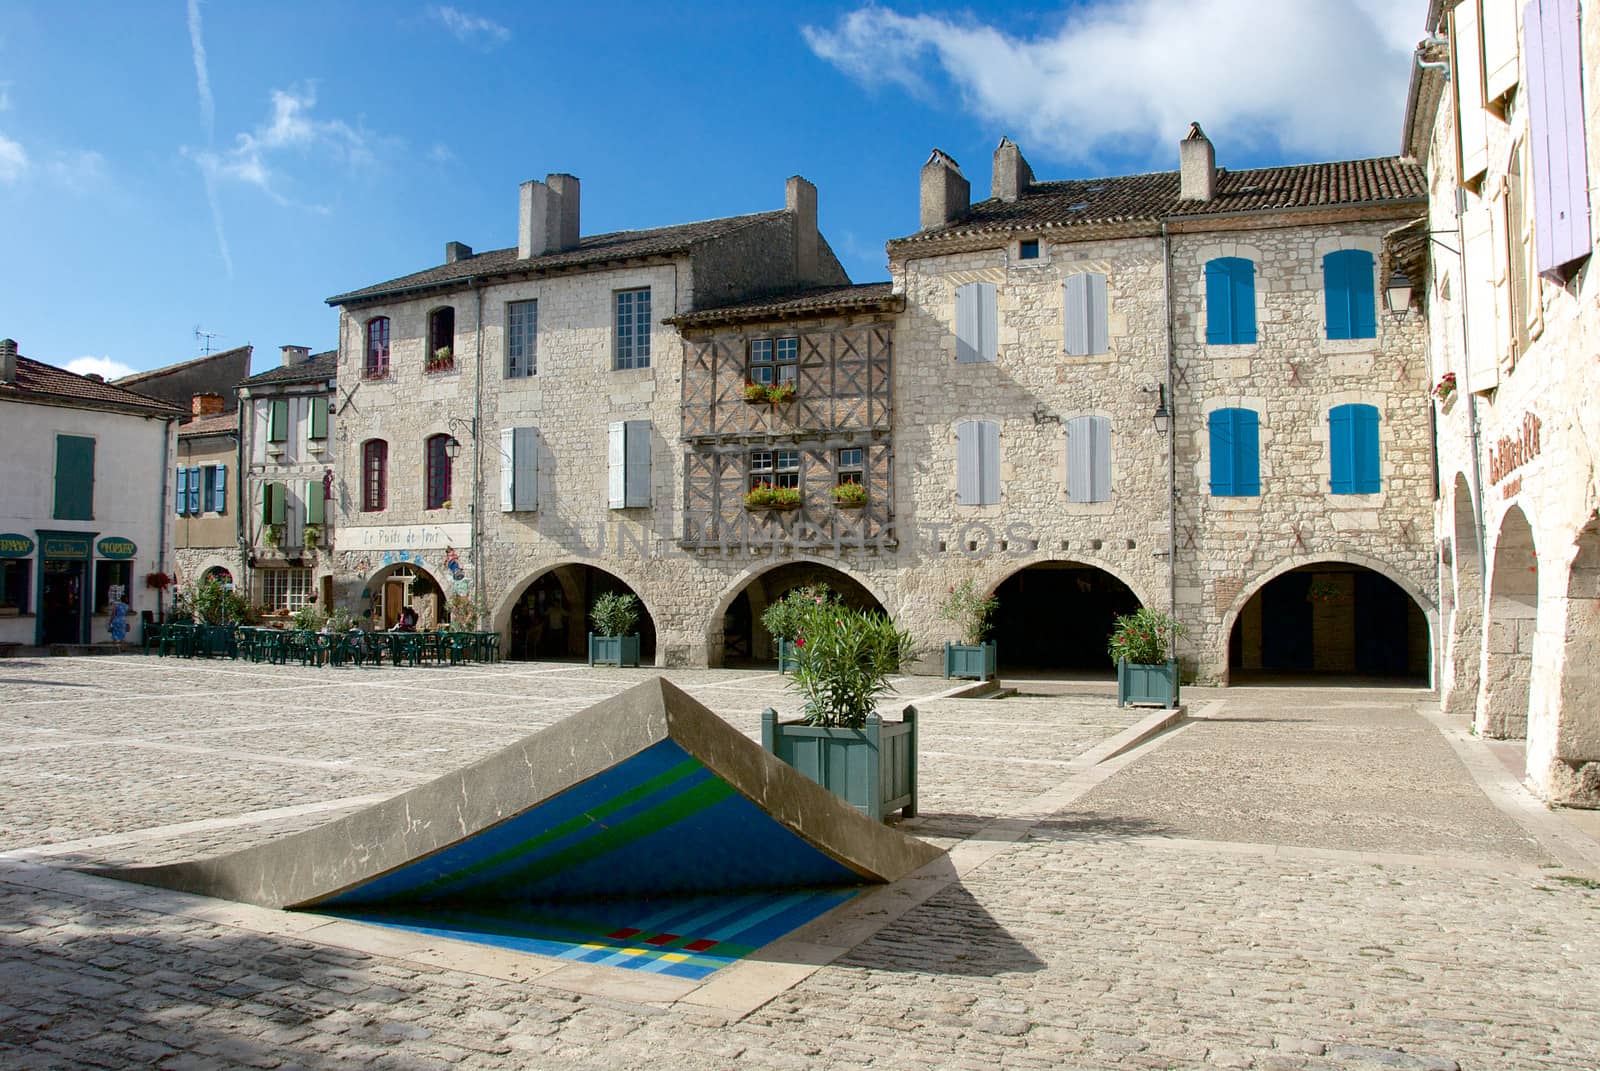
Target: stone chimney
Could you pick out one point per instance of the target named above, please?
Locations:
(1012, 175)
(205, 404)
(8, 360)
(946, 193)
(454, 251)
(1197, 163)
(800, 201)
(565, 187)
(295, 355)
(548, 220)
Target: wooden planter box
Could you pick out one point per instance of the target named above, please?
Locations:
(614, 650)
(1147, 685)
(874, 769)
(787, 658)
(979, 662)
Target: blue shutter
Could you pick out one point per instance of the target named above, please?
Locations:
(1341, 452)
(219, 499)
(1219, 303)
(1244, 300)
(182, 497)
(1368, 477)
(195, 506)
(1363, 300)
(1336, 294)
(1246, 452)
(1220, 425)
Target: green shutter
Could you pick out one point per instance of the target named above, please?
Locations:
(277, 420)
(319, 419)
(74, 478)
(273, 503)
(315, 504)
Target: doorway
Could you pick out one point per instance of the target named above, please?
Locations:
(61, 602)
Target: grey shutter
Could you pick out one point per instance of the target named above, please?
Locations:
(988, 462)
(1099, 334)
(988, 322)
(1100, 482)
(1075, 318)
(525, 484)
(967, 481)
(617, 456)
(967, 320)
(638, 465)
(1080, 452)
(508, 439)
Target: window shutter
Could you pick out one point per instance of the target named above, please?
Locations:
(1099, 330)
(968, 317)
(1100, 486)
(194, 490)
(988, 462)
(1080, 477)
(1559, 171)
(525, 488)
(508, 469)
(1363, 298)
(1220, 426)
(316, 502)
(988, 322)
(319, 419)
(183, 492)
(1244, 300)
(1364, 429)
(617, 456)
(1468, 78)
(277, 503)
(74, 498)
(277, 420)
(967, 481)
(1483, 363)
(219, 495)
(1219, 302)
(1341, 451)
(1075, 314)
(1499, 28)
(1246, 452)
(638, 450)
(1336, 294)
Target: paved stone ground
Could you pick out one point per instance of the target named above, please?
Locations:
(1296, 879)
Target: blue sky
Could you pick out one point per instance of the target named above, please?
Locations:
(168, 165)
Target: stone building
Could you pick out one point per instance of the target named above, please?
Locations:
(205, 501)
(84, 505)
(1502, 113)
(287, 461)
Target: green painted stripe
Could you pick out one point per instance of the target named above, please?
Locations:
(576, 824)
(564, 928)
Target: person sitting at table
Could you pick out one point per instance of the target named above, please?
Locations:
(407, 622)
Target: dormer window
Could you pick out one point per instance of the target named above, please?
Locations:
(1028, 249)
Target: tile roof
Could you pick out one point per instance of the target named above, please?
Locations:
(219, 357)
(214, 424)
(595, 249)
(1153, 197)
(317, 367)
(37, 381)
(794, 304)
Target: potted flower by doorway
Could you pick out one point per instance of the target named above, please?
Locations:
(971, 613)
(782, 619)
(614, 616)
(844, 659)
(1141, 644)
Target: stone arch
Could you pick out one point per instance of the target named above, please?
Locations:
(567, 618)
(1511, 621)
(1462, 560)
(757, 595)
(1037, 636)
(1425, 607)
(1564, 745)
(213, 562)
(375, 593)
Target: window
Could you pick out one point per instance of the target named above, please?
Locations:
(441, 340)
(1552, 49)
(977, 463)
(775, 468)
(1235, 452)
(437, 463)
(182, 497)
(16, 574)
(629, 458)
(760, 469)
(1230, 301)
(109, 574)
(374, 475)
(278, 420)
(217, 482)
(773, 360)
(519, 469)
(274, 505)
(1089, 459)
(1084, 314)
(852, 464)
(317, 426)
(1028, 249)
(522, 333)
(74, 478)
(1353, 450)
(377, 360)
(977, 325)
(285, 589)
(633, 329)
(1348, 290)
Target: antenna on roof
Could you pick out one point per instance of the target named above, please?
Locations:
(204, 338)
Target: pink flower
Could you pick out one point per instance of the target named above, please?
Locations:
(799, 641)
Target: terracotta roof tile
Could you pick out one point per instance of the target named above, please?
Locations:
(47, 383)
(317, 367)
(816, 301)
(214, 424)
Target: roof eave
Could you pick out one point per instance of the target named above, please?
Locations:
(467, 282)
(891, 303)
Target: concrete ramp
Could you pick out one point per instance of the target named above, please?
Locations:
(642, 796)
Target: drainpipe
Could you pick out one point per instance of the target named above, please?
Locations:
(168, 448)
(1172, 429)
(477, 445)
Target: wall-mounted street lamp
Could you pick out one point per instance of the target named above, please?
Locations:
(452, 445)
(1397, 295)
(1162, 417)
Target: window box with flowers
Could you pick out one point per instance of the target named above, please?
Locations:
(765, 394)
(850, 495)
(442, 359)
(1141, 644)
(1444, 391)
(765, 496)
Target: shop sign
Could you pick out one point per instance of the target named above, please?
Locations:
(1513, 451)
(15, 545)
(66, 546)
(116, 547)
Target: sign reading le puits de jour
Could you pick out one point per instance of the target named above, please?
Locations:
(1513, 451)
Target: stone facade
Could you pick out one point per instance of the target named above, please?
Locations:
(206, 519)
(1515, 323)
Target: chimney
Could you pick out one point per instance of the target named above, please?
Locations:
(565, 189)
(94, 377)
(295, 355)
(538, 224)
(8, 360)
(454, 251)
(800, 201)
(945, 191)
(1012, 175)
(206, 404)
(1197, 162)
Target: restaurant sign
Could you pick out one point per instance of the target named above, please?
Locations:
(1513, 451)
(66, 546)
(15, 545)
(116, 547)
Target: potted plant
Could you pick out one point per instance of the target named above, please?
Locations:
(613, 642)
(971, 613)
(311, 535)
(765, 496)
(158, 581)
(440, 359)
(755, 393)
(779, 393)
(1445, 391)
(844, 659)
(850, 495)
(782, 619)
(272, 535)
(1141, 644)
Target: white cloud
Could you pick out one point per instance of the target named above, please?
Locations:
(13, 160)
(79, 171)
(103, 366)
(290, 130)
(202, 74)
(471, 29)
(1125, 77)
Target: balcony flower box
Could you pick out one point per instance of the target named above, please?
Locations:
(850, 496)
(765, 496)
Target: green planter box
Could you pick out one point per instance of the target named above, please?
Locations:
(979, 662)
(1147, 685)
(874, 769)
(787, 657)
(614, 650)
